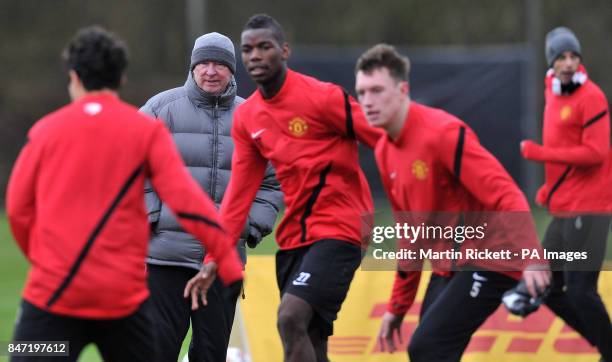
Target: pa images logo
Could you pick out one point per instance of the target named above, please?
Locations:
(298, 127)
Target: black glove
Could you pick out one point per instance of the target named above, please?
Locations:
(250, 234)
(519, 302)
(254, 238)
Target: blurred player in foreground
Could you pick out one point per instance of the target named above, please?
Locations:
(76, 208)
(430, 161)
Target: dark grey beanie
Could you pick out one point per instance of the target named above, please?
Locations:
(216, 47)
(560, 40)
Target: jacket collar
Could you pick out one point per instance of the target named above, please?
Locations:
(203, 99)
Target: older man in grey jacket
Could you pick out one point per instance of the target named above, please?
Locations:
(199, 115)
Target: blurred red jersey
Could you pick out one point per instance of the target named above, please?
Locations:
(75, 203)
(438, 165)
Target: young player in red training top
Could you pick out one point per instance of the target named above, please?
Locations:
(577, 161)
(309, 130)
(430, 161)
(76, 208)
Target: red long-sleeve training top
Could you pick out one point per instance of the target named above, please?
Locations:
(438, 165)
(309, 132)
(75, 204)
(576, 153)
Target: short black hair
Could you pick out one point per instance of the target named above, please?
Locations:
(98, 57)
(384, 56)
(265, 21)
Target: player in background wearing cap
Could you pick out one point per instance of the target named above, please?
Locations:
(577, 191)
(199, 116)
(430, 161)
(76, 209)
(309, 130)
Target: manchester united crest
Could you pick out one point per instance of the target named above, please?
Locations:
(420, 170)
(298, 127)
(566, 112)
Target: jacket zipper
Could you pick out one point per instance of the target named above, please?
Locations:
(215, 150)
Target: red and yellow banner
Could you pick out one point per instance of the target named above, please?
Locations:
(503, 337)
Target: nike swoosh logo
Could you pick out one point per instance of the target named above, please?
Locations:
(479, 277)
(299, 283)
(256, 134)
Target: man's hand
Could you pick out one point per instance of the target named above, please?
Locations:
(537, 278)
(533, 289)
(199, 284)
(541, 196)
(391, 325)
(529, 149)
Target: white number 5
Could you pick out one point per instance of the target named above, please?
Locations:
(475, 289)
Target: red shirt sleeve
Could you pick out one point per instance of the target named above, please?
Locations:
(194, 210)
(595, 140)
(21, 194)
(347, 117)
(479, 171)
(406, 284)
(404, 291)
(248, 169)
(484, 177)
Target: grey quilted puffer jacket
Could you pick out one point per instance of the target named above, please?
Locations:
(200, 124)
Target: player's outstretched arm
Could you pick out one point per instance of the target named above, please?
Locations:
(265, 208)
(248, 169)
(594, 145)
(404, 291)
(485, 178)
(479, 171)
